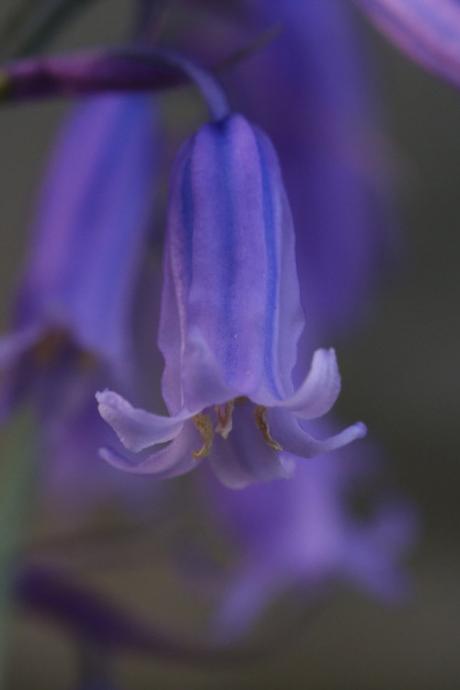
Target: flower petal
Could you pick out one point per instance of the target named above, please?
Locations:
(287, 430)
(427, 30)
(320, 389)
(230, 272)
(136, 428)
(87, 243)
(172, 460)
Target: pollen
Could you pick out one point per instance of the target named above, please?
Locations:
(205, 428)
(260, 414)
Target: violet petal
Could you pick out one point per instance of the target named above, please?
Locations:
(136, 428)
(319, 390)
(294, 439)
(174, 459)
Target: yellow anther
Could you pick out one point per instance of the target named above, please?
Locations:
(260, 413)
(224, 415)
(203, 424)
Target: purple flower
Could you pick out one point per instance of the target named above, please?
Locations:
(305, 534)
(230, 324)
(427, 30)
(73, 319)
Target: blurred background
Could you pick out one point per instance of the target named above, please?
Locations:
(401, 374)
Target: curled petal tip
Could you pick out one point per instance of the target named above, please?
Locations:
(298, 442)
(360, 430)
(352, 433)
(136, 428)
(101, 395)
(319, 390)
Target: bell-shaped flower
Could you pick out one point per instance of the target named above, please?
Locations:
(230, 324)
(72, 327)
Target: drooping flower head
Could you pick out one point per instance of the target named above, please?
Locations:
(230, 323)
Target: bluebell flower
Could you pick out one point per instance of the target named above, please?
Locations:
(72, 326)
(305, 534)
(310, 89)
(230, 325)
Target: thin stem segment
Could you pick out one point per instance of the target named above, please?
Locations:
(130, 69)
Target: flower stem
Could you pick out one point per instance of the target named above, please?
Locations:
(133, 68)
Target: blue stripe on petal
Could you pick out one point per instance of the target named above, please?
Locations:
(273, 277)
(309, 91)
(223, 192)
(229, 246)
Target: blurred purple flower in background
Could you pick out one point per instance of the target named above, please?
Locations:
(427, 30)
(73, 320)
(304, 534)
(230, 322)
